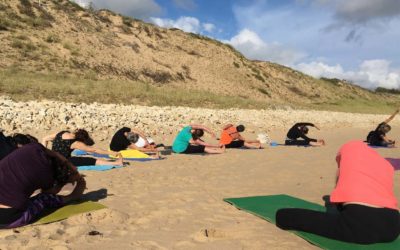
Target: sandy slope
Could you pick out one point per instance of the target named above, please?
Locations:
(169, 204)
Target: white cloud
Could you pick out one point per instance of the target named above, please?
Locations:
(134, 8)
(82, 3)
(187, 24)
(209, 27)
(370, 73)
(252, 46)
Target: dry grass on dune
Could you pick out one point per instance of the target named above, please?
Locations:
(25, 86)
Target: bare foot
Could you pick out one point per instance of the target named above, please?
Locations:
(120, 161)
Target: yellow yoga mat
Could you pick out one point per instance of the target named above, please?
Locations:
(54, 215)
(132, 153)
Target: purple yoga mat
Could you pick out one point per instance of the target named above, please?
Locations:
(395, 163)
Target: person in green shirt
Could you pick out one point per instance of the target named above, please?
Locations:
(188, 141)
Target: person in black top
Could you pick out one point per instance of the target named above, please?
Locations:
(378, 137)
(127, 138)
(6, 146)
(65, 142)
(300, 130)
(10, 143)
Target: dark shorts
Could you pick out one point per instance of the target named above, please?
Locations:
(297, 142)
(235, 144)
(194, 149)
(83, 161)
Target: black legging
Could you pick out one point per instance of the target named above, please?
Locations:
(353, 223)
(297, 142)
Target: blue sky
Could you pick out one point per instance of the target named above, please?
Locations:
(355, 40)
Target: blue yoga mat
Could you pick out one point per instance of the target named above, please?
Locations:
(98, 168)
(78, 152)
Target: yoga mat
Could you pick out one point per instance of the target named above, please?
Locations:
(380, 147)
(282, 144)
(266, 206)
(97, 168)
(395, 163)
(83, 153)
(68, 211)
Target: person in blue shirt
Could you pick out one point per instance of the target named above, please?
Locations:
(188, 141)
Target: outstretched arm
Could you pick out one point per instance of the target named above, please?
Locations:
(307, 138)
(200, 142)
(392, 116)
(90, 149)
(134, 147)
(48, 138)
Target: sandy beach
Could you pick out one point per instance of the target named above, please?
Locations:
(170, 204)
(177, 203)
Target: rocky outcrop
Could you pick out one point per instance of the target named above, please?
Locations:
(106, 118)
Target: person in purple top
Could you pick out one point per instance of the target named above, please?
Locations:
(31, 168)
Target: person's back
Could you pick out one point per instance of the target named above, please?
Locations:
(227, 135)
(293, 133)
(22, 172)
(375, 137)
(373, 173)
(367, 211)
(119, 141)
(62, 146)
(181, 141)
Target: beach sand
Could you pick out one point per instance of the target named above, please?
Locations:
(170, 204)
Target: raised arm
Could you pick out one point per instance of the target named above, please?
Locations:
(48, 138)
(392, 116)
(227, 126)
(304, 124)
(197, 126)
(141, 134)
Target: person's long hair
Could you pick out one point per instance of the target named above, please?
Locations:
(83, 136)
(23, 139)
(63, 169)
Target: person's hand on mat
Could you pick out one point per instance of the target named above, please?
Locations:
(321, 141)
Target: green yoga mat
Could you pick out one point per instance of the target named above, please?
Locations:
(266, 207)
(67, 211)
